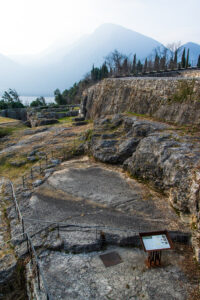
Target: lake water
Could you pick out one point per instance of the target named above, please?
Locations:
(26, 100)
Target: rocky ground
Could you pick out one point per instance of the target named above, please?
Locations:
(86, 196)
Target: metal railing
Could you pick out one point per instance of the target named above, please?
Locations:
(30, 248)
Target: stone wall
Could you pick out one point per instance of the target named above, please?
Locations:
(191, 74)
(15, 113)
(154, 97)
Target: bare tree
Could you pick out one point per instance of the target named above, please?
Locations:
(114, 60)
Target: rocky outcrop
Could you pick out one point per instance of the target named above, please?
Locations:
(166, 99)
(156, 154)
(40, 117)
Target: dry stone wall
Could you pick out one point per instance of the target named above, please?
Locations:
(155, 97)
(191, 74)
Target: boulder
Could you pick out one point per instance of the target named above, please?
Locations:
(128, 147)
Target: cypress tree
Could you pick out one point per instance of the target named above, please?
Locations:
(183, 61)
(125, 66)
(157, 63)
(139, 66)
(104, 70)
(145, 66)
(175, 59)
(134, 64)
(198, 62)
(187, 59)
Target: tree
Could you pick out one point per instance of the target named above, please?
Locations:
(163, 63)
(134, 64)
(183, 60)
(104, 70)
(114, 60)
(59, 98)
(38, 102)
(171, 64)
(175, 58)
(198, 62)
(145, 66)
(125, 66)
(95, 74)
(156, 63)
(10, 99)
(139, 66)
(187, 59)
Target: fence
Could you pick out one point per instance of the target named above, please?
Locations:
(160, 73)
(43, 163)
(31, 249)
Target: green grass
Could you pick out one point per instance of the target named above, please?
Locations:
(185, 92)
(76, 108)
(8, 130)
(65, 120)
(135, 114)
(5, 131)
(6, 120)
(13, 172)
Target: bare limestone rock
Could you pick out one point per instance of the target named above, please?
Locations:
(154, 153)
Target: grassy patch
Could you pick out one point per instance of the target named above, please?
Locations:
(76, 108)
(65, 120)
(130, 113)
(185, 92)
(88, 134)
(8, 130)
(6, 120)
(13, 172)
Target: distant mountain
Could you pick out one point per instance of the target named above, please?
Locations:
(194, 52)
(62, 65)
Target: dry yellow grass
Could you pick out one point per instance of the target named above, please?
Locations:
(6, 120)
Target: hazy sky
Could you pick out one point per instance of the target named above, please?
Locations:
(30, 26)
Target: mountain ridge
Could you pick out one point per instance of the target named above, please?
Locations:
(60, 68)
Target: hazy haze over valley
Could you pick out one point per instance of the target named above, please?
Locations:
(48, 45)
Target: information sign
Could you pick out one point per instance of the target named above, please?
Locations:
(156, 241)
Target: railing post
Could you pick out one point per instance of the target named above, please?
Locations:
(38, 276)
(31, 173)
(27, 243)
(40, 167)
(58, 229)
(23, 182)
(22, 220)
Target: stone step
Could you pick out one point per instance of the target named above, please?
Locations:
(78, 119)
(79, 123)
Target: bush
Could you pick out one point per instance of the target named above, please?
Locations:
(185, 91)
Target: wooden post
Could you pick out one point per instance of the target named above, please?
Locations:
(38, 276)
(31, 173)
(58, 229)
(27, 244)
(22, 225)
(23, 182)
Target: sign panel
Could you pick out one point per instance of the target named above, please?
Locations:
(156, 241)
